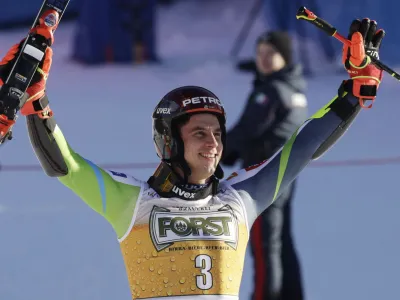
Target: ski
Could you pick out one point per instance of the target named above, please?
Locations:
(24, 68)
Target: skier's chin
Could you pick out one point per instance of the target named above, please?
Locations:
(209, 171)
(204, 172)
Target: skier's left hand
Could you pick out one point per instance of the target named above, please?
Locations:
(37, 87)
(365, 41)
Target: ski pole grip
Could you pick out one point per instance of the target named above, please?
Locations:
(305, 14)
(308, 15)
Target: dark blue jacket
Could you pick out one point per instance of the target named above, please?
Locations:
(275, 108)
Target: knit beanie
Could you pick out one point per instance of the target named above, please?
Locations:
(281, 41)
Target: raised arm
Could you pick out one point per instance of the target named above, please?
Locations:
(261, 184)
(112, 195)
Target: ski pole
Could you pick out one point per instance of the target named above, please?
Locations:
(24, 67)
(305, 14)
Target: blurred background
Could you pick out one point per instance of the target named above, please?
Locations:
(113, 61)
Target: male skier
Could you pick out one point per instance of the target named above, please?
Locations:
(183, 233)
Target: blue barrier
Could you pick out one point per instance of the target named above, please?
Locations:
(120, 31)
(110, 33)
(106, 31)
(15, 12)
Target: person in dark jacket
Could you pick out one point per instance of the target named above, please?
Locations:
(275, 108)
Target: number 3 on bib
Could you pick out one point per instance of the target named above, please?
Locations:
(204, 281)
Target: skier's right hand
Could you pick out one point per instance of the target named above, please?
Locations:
(36, 89)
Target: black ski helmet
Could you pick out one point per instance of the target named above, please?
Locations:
(185, 100)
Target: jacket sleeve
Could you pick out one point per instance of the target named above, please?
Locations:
(112, 195)
(261, 184)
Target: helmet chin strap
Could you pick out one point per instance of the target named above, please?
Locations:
(168, 183)
(219, 173)
(184, 166)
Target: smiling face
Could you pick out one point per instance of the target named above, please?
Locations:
(202, 140)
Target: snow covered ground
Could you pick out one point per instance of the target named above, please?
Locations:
(54, 247)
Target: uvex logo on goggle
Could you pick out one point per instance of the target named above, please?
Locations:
(198, 100)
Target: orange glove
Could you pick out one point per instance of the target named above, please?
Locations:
(37, 86)
(366, 77)
(5, 128)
